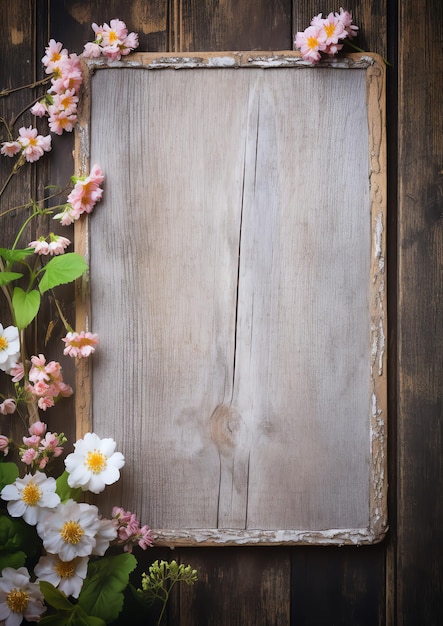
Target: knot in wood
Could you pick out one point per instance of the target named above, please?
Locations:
(227, 427)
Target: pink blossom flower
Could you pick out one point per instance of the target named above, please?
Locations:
(8, 406)
(51, 444)
(86, 193)
(60, 121)
(92, 50)
(33, 145)
(80, 344)
(332, 30)
(4, 444)
(38, 369)
(38, 428)
(66, 217)
(346, 18)
(10, 148)
(66, 101)
(46, 382)
(324, 35)
(45, 402)
(39, 109)
(129, 531)
(17, 372)
(112, 40)
(37, 451)
(40, 246)
(29, 456)
(58, 244)
(53, 55)
(310, 43)
(67, 75)
(33, 440)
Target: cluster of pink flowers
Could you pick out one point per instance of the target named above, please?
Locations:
(29, 143)
(80, 344)
(129, 532)
(46, 382)
(41, 446)
(82, 199)
(324, 35)
(60, 102)
(112, 41)
(56, 245)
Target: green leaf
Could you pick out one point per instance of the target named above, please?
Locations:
(102, 591)
(8, 277)
(17, 538)
(54, 597)
(61, 270)
(11, 256)
(12, 559)
(8, 473)
(64, 490)
(25, 305)
(74, 617)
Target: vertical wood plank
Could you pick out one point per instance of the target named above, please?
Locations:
(236, 587)
(338, 586)
(231, 25)
(420, 331)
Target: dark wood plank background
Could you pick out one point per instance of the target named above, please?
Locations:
(398, 581)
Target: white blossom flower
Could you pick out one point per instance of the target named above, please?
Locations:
(94, 463)
(69, 530)
(106, 533)
(19, 598)
(9, 347)
(29, 497)
(68, 576)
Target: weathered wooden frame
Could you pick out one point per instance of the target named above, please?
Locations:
(374, 70)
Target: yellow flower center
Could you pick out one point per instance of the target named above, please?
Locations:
(71, 532)
(33, 141)
(17, 600)
(56, 56)
(31, 494)
(312, 42)
(112, 36)
(65, 569)
(330, 29)
(95, 461)
(3, 343)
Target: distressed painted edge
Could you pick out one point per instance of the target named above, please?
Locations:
(253, 59)
(376, 105)
(229, 537)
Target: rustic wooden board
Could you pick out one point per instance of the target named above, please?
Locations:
(243, 231)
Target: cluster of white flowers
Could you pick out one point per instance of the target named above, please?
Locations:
(70, 531)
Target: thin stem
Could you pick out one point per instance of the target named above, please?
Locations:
(17, 165)
(6, 290)
(43, 81)
(32, 202)
(66, 324)
(165, 602)
(14, 119)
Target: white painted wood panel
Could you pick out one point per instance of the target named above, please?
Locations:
(235, 289)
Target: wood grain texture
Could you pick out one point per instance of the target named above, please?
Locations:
(329, 585)
(230, 25)
(239, 396)
(420, 332)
